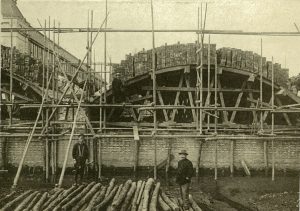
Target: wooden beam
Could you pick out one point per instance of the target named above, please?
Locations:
(207, 100)
(286, 117)
(187, 81)
(177, 98)
(225, 113)
(192, 89)
(267, 112)
(252, 103)
(140, 114)
(237, 103)
(161, 101)
(17, 95)
(136, 139)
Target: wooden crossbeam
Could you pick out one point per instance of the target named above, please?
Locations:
(161, 101)
(237, 103)
(225, 113)
(212, 82)
(17, 95)
(286, 117)
(267, 112)
(140, 114)
(177, 98)
(250, 94)
(187, 81)
(192, 89)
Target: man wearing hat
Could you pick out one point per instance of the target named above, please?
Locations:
(184, 174)
(118, 89)
(80, 155)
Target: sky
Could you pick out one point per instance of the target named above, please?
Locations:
(246, 15)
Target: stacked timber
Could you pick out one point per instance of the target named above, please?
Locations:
(251, 62)
(186, 54)
(132, 196)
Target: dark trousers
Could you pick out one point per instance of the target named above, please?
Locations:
(184, 190)
(79, 170)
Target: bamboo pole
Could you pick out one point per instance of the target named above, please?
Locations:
(216, 93)
(11, 72)
(198, 122)
(105, 79)
(118, 30)
(216, 159)
(272, 127)
(261, 87)
(71, 138)
(208, 80)
(100, 129)
(201, 77)
(16, 179)
(231, 158)
(154, 92)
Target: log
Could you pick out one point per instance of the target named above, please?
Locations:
(87, 197)
(7, 198)
(115, 197)
(52, 198)
(39, 204)
(91, 204)
(147, 190)
(107, 199)
(12, 203)
(169, 202)
(69, 197)
(110, 186)
(33, 202)
(194, 204)
(141, 193)
(116, 203)
(153, 202)
(99, 199)
(162, 204)
(73, 201)
(129, 196)
(245, 168)
(136, 194)
(61, 197)
(26, 201)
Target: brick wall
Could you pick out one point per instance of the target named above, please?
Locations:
(120, 152)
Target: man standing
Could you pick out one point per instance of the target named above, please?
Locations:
(184, 174)
(80, 155)
(118, 89)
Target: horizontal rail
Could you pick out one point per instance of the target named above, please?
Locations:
(84, 29)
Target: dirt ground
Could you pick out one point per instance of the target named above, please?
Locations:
(226, 194)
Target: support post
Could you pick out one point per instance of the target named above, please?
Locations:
(11, 73)
(231, 158)
(154, 92)
(199, 161)
(136, 139)
(261, 88)
(272, 127)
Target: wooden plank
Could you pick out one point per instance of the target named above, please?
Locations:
(177, 98)
(191, 99)
(162, 103)
(136, 139)
(237, 103)
(225, 113)
(193, 89)
(286, 117)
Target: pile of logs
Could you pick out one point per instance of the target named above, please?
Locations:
(132, 196)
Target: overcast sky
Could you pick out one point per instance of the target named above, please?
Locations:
(246, 15)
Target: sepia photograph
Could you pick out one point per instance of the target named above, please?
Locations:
(150, 105)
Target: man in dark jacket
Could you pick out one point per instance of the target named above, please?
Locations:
(80, 155)
(184, 174)
(118, 89)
